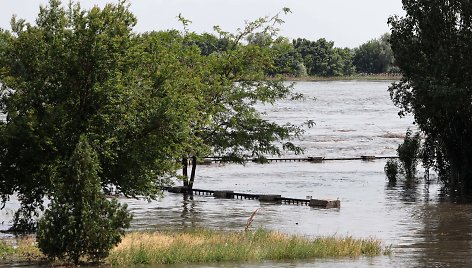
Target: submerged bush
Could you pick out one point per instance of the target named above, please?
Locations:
(391, 170)
(408, 154)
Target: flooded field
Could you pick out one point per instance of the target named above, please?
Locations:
(352, 119)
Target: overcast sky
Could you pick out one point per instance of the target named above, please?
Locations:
(348, 23)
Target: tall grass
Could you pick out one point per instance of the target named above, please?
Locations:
(5, 249)
(205, 246)
(21, 249)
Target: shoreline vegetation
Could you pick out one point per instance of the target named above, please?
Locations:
(208, 246)
(356, 77)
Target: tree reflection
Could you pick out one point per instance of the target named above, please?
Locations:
(447, 235)
(405, 190)
(444, 235)
(189, 215)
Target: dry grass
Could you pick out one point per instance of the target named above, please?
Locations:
(20, 250)
(204, 246)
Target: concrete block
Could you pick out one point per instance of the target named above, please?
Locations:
(325, 203)
(368, 157)
(270, 198)
(178, 189)
(315, 159)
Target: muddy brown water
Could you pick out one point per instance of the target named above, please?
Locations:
(352, 119)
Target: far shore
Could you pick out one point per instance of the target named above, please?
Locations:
(356, 77)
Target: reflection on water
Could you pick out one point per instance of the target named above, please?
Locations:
(352, 119)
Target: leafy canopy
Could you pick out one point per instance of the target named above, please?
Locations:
(85, 73)
(432, 46)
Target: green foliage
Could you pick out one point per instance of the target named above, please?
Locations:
(261, 39)
(207, 43)
(225, 87)
(391, 170)
(84, 72)
(287, 61)
(5, 249)
(408, 153)
(321, 58)
(80, 221)
(374, 56)
(432, 47)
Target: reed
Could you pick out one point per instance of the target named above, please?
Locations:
(205, 246)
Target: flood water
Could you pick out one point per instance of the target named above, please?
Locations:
(352, 119)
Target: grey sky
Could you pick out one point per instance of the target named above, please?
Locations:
(346, 22)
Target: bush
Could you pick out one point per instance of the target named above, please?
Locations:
(408, 153)
(391, 170)
(80, 222)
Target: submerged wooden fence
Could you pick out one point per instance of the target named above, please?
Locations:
(312, 159)
(269, 198)
(321, 203)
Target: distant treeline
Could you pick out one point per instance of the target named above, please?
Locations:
(302, 57)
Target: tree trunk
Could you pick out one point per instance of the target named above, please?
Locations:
(192, 175)
(184, 170)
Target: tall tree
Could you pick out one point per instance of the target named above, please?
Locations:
(374, 56)
(233, 81)
(432, 45)
(287, 61)
(84, 73)
(321, 58)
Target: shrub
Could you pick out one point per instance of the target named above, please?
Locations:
(80, 222)
(391, 170)
(408, 153)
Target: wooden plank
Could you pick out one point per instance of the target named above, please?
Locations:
(223, 194)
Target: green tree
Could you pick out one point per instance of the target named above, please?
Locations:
(208, 43)
(342, 62)
(177, 64)
(432, 47)
(231, 83)
(374, 56)
(84, 72)
(287, 61)
(321, 58)
(261, 39)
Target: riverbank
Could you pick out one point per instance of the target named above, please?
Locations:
(207, 246)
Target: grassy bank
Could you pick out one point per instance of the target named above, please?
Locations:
(204, 246)
(22, 250)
